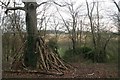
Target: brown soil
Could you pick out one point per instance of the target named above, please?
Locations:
(81, 71)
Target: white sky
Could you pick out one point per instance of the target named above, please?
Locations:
(107, 5)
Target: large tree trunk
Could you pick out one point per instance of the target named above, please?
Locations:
(36, 47)
(31, 27)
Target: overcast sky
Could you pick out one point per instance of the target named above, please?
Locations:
(107, 5)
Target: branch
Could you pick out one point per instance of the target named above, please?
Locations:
(14, 8)
(58, 4)
(67, 26)
(88, 11)
(107, 41)
(51, 1)
(42, 3)
(92, 8)
(3, 3)
(116, 5)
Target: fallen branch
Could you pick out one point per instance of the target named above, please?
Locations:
(35, 72)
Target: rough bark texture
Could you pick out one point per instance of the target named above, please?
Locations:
(31, 27)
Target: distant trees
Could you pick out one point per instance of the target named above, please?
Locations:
(99, 42)
(90, 16)
(71, 23)
(43, 20)
(12, 28)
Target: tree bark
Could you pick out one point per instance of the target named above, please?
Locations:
(35, 46)
(30, 57)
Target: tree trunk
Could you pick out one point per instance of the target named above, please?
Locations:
(35, 46)
(30, 58)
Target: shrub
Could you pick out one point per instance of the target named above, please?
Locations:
(71, 56)
(52, 43)
(80, 52)
(85, 52)
(85, 49)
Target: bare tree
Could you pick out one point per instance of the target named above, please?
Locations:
(71, 24)
(12, 24)
(44, 20)
(95, 24)
(37, 53)
(90, 15)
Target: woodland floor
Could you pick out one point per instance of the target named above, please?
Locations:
(81, 71)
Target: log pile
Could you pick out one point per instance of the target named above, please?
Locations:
(48, 60)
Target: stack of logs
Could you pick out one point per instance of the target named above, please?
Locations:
(48, 60)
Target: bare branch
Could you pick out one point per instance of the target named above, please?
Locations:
(8, 3)
(58, 4)
(42, 3)
(14, 8)
(51, 1)
(92, 8)
(87, 8)
(107, 41)
(116, 5)
(67, 26)
(3, 3)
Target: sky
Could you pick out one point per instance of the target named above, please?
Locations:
(107, 5)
